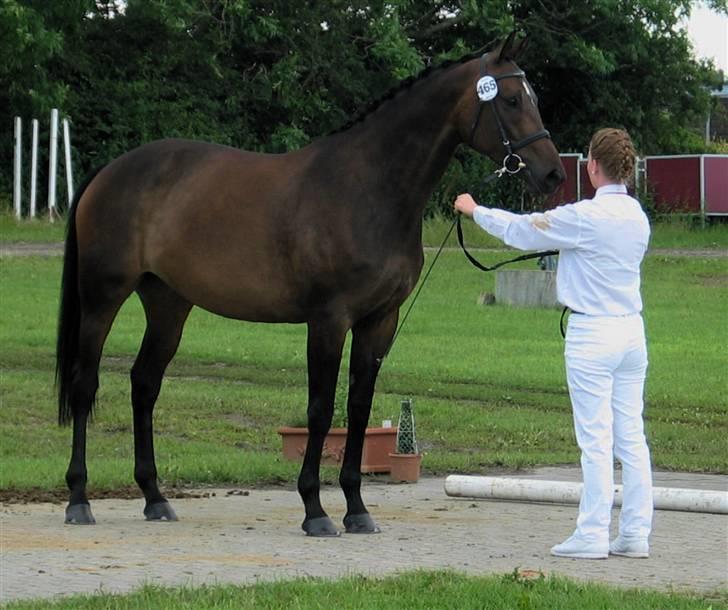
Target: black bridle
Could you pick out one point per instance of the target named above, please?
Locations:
(512, 163)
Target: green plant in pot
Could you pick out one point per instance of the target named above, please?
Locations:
(378, 442)
(405, 463)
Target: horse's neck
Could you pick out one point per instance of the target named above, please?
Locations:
(400, 151)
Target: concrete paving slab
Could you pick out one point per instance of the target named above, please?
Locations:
(234, 538)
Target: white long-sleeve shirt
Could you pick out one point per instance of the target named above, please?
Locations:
(601, 244)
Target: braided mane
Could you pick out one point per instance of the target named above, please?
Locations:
(403, 85)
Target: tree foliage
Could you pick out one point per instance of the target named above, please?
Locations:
(270, 75)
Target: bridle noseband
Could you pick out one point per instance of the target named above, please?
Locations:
(487, 90)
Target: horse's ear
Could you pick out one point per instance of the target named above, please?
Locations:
(522, 47)
(513, 48)
(506, 52)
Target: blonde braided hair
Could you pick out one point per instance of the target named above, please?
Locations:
(615, 152)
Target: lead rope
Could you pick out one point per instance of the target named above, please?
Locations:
(512, 164)
(479, 265)
(419, 289)
(494, 176)
(457, 223)
(561, 321)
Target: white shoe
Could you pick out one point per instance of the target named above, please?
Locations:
(581, 549)
(637, 548)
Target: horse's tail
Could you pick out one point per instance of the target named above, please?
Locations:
(69, 318)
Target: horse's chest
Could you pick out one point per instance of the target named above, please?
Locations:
(387, 282)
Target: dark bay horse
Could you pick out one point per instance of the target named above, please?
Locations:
(329, 236)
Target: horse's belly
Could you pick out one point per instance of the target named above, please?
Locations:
(242, 296)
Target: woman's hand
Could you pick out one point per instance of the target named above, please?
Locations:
(465, 204)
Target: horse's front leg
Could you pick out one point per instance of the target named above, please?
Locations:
(372, 338)
(325, 343)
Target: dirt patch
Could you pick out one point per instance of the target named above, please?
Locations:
(713, 281)
(23, 249)
(690, 252)
(35, 495)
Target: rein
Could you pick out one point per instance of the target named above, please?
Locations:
(457, 224)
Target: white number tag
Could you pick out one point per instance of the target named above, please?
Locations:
(487, 88)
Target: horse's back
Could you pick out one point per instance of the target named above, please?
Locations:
(275, 238)
(204, 218)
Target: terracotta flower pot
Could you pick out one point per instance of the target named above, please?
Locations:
(378, 443)
(405, 467)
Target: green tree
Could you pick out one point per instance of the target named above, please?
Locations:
(597, 63)
(618, 62)
(270, 75)
(30, 37)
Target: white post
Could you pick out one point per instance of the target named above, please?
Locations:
(34, 169)
(17, 167)
(578, 178)
(52, 165)
(702, 187)
(707, 129)
(69, 169)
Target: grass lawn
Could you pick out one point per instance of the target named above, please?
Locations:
(411, 590)
(488, 382)
(30, 230)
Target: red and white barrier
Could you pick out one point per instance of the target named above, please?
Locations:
(695, 184)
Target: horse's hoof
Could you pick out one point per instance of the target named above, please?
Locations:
(320, 526)
(161, 511)
(360, 524)
(79, 514)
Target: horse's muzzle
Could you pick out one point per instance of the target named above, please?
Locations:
(552, 181)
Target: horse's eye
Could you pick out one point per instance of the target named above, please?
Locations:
(512, 101)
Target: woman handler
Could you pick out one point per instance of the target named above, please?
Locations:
(601, 242)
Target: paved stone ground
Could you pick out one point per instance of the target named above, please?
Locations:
(236, 538)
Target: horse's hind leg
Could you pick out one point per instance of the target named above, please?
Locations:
(371, 339)
(100, 303)
(166, 314)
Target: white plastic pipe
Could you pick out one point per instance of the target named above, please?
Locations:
(69, 168)
(530, 490)
(53, 164)
(17, 167)
(34, 169)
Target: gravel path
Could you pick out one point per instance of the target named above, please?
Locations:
(244, 536)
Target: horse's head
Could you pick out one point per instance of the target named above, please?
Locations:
(499, 117)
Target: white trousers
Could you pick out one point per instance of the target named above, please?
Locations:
(606, 364)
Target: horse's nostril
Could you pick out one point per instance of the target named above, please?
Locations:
(555, 177)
